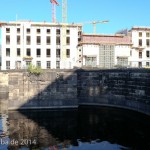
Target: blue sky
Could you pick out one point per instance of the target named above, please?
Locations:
(121, 13)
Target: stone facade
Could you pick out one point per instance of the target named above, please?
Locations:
(128, 88)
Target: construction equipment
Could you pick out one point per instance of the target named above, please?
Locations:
(64, 11)
(94, 24)
(63, 31)
(54, 3)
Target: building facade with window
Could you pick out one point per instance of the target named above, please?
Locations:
(48, 45)
(104, 51)
(140, 51)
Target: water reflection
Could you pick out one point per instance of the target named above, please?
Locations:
(83, 129)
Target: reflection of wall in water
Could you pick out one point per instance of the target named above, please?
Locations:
(45, 129)
(4, 123)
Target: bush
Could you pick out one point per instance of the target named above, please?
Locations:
(34, 69)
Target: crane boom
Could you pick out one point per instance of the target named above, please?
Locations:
(94, 24)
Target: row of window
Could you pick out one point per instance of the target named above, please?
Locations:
(38, 40)
(147, 34)
(38, 52)
(38, 63)
(147, 54)
(147, 42)
(38, 31)
(141, 54)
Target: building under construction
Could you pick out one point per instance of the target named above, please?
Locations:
(48, 45)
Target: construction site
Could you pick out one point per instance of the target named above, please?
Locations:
(54, 45)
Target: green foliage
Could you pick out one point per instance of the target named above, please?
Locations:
(36, 70)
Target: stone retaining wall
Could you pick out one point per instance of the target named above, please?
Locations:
(128, 88)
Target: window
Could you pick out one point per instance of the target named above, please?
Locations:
(18, 64)
(18, 30)
(57, 64)
(48, 52)
(38, 40)
(68, 40)
(140, 42)
(38, 31)
(90, 61)
(147, 63)
(28, 63)
(147, 53)
(8, 52)
(140, 64)
(58, 31)
(28, 40)
(38, 63)
(57, 40)
(18, 40)
(68, 53)
(48, 31)
(147, 34)
(67, 31)
(48, 40)
(28, 52)
(122, 61)
(38, 52)
(48, 64)
(79, 33)
(147, 43)
(18, 52)
(57, 53)
(7, 30)
(7, 39)
(140, 34)
(79, 39)
(28, 30)
(130, 52)
(140, 54)
(7, 64)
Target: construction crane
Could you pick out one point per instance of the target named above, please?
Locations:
(54, 3)
(63, 32)
(94, 24)
(64, 11)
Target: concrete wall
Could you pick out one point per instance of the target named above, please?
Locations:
(58, 89)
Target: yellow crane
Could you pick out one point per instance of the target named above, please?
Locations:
(64, 28)
(94, 24)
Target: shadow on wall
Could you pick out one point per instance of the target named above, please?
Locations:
(49, 90)
(125, 88)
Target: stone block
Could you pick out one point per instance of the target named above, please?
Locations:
(4, 95)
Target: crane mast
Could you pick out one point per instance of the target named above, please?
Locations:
(54, 3)
(64, 11)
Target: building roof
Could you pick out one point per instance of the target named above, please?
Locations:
(105, 39)
(141, 28)
(42, 24)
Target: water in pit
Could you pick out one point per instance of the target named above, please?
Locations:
(85, 128)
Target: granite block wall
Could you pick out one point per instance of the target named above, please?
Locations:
(128, 88)
(125, 88)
